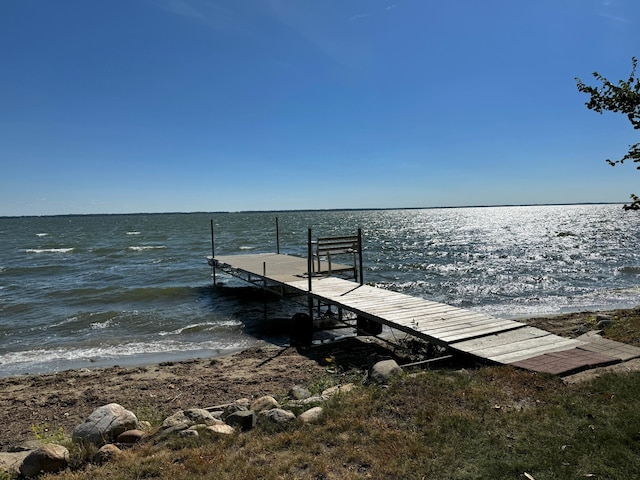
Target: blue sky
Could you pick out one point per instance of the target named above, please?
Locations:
(206, 105)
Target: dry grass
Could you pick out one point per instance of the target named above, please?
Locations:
(491, 423)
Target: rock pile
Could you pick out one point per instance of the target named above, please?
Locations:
(112, 427)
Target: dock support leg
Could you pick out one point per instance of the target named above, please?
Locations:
(264, 289)
(213, 255)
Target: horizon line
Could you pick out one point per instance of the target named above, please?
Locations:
(362, 209)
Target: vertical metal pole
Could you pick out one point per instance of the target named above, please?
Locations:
(360, 255)
(310, 271)
(309, 258)
(213, 255)
(264, 289)
(277, 237)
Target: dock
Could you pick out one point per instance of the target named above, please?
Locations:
(460, 331)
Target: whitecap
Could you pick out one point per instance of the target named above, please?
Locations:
(48, 250)
(50, 360)
(133, 233)
(142, 248)
(101, 325)
(247, 248)
(201, 326)
(41, 234)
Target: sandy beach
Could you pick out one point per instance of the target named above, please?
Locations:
(65, 399)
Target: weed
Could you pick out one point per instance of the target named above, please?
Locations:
(45, 433)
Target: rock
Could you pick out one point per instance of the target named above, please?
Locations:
(384, 371)
(241, 405)
(298, 392)
(187, 418)
(279, 415)
(604, 321)
(221, 429)
(105, 424)
(106, 453)
(311, 400)
(329, 392)
(312, 415)
(49, 458)
(264, 403)
(130, 437)
(189, 433)
(144, 425)
(243, 419)
(11, 461)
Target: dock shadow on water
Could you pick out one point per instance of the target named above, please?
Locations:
(263, 315)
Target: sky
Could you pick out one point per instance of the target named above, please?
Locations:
(128, 106)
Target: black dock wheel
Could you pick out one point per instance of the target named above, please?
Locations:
(301, 330)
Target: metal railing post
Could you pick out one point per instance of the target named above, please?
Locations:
(360, 255)
(213, 256)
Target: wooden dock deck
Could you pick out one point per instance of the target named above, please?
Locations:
(462, 331)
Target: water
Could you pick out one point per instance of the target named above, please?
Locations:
(81, 291)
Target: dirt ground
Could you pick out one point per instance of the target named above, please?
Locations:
(48, 403)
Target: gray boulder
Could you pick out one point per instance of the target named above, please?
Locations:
(104, 425)
(279, 416)
(298, 392)
(241, 405)
(187, 418)
(50, 458)
(384, 371)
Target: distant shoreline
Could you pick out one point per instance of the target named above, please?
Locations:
(311, 210)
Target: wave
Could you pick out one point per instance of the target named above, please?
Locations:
(49, 250)
(142, 248)
(201, 327)
(134, 353)
(41, 234)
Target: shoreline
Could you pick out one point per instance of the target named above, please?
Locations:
(62, 400)
(558, 323)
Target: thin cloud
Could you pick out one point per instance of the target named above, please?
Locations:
(360, 16)
(607, 6)
(615, 18)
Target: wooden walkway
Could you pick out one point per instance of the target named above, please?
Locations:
(461, 331)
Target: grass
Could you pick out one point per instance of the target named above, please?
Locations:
(490, 423)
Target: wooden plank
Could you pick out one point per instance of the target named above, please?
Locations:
(444, 322)
(407, 311)
(468, 326)
(521, 345)
(535, 350)
(382, 303)
(526, 333)
(478, 333)
(469, 329)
